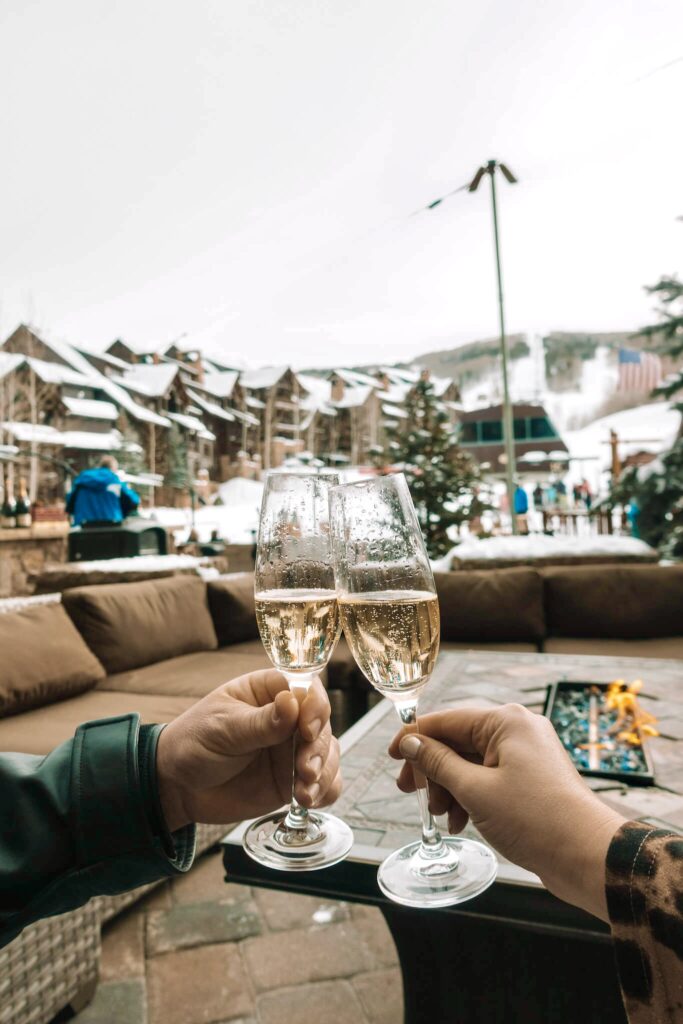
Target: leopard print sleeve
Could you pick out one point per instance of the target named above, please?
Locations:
(644, 886)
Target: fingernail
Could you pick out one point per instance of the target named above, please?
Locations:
(314, 792)
(315, 727)
(316, 764)
(410, 747)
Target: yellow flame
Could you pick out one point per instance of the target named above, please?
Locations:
(631, 719)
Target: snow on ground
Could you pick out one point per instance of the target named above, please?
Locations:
(234, 519)
(140, 563)
(647, 428)
(541, 546)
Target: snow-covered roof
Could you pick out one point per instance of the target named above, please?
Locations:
(356, 377)
(395, 393)
(220, 383)
(81, 365)
(246, 417)
(211, 407)
(142, 348)
(90, 408)
(440, 385)
(193, 424)
(266, 377)
(10, 361)
(353, 397)
(401, 375)
(36, 433)
(150, 379)
(254, 403)
(319, 389)
(90, 441)
(394, 411)
(106, 357)
(39, 433)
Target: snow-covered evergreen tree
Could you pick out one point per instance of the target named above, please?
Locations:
(657, 489)
(442, 477)
(178, 471)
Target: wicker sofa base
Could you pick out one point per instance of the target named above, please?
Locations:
(55, 962)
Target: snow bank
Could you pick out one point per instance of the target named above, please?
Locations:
(541, 546)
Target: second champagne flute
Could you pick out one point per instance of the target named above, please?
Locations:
(390, 614)
(298, 619)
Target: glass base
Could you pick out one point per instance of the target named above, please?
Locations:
(415, 879)
(325, 841)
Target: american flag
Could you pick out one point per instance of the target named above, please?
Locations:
(638, 371)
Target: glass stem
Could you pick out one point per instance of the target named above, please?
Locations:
(432, 844)
(297, 816)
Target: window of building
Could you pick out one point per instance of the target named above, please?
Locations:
(541, 427)
(519, 429)
(468, 433)
(491, 431)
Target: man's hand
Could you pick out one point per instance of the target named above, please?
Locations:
(229, 756)
(506, 770)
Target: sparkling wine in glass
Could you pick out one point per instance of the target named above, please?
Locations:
(390, 615)
(298, 618)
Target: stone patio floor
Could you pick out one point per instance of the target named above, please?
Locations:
(200, 951)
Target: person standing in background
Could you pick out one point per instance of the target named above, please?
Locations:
(100, 497)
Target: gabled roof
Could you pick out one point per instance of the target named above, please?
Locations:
(266, 377)
(151, 379)
(221, 383)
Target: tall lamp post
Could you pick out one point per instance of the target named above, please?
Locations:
(508, 427)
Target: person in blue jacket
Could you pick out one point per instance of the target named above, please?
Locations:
(99, 495)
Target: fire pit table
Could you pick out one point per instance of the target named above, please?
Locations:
(516, 953)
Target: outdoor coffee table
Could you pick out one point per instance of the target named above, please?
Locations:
(516, 953)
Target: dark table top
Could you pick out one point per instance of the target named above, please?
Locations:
(383, 819)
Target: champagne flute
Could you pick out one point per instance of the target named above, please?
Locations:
(298, 619)
(390, 615)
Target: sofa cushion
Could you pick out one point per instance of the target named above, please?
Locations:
(231, 600)
(41, 730)
(493, 605)
(128, 625)
(625, 602)
(43, 659)
(654, 647)
(191, 675)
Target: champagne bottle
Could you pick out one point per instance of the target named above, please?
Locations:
(8, 513)
(23, 507)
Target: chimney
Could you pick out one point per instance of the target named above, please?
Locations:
(199, 367)
(337, 392)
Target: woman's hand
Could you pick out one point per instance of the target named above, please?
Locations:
(507, 771)
(229, 756)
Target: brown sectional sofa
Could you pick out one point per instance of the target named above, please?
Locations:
(158, 646)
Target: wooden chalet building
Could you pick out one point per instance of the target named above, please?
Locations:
(274, 394)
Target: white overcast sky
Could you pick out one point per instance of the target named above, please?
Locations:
(242, 171)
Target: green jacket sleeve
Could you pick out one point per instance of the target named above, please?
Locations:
(83, 821)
